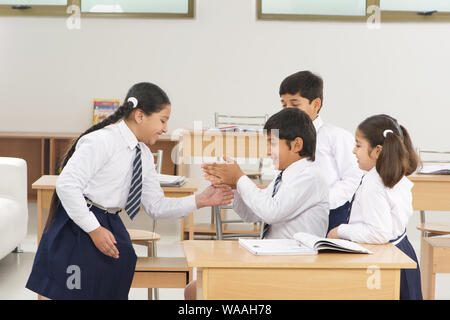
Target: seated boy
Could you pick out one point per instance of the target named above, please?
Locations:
(297, 200)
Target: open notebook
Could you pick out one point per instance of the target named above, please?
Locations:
(303, 243)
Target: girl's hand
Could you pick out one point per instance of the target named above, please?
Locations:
(213, 196)
(104, 241)
(333, 234)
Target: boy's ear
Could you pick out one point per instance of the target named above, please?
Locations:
(297, 145)
(317, 104)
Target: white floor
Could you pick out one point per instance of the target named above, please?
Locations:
(15, 268)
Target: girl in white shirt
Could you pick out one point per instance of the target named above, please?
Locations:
(85, 251)
(382, 204)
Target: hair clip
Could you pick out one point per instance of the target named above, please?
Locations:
(134, 101)
(385, 132)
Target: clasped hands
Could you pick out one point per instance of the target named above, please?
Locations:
(222, 175)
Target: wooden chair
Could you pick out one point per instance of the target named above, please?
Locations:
(435, 258)
(218, 213)
(161, 272)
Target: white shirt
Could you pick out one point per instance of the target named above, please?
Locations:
(336, 161)
(300, 204)
(379, 214)
(101, 169)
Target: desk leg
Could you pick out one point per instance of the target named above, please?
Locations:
(39, 216)
(422, 233)
(191, 226)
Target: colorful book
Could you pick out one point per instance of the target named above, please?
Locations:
(103, 108)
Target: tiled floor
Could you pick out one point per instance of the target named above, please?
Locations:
(15, 268)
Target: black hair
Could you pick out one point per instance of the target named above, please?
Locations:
(293, 123)
(150, 98)
(305, 83)
(397, 157)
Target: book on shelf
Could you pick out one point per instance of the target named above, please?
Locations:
(302, 244)
(166, 180)
(103, 108)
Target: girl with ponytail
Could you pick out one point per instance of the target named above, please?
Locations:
(382, 205)
(85, 251)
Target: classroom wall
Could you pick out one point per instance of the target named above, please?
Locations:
(224, 60)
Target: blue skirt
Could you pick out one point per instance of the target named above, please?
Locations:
(339, 216)
(410, 284)
(68, 265)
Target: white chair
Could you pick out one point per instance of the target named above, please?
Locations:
(13, 204)
(217, 214)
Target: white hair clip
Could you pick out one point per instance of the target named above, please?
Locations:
(385, 132)
(134, 101)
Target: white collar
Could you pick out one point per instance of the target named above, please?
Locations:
(318, 123)
(127, 135)
(296, 167)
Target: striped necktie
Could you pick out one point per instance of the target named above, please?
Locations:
(353, 199)
(276, 186)
(134, 196)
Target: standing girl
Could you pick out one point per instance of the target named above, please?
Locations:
(85, 251)
(382, 204)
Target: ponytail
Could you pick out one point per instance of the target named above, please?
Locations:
(122, 112)
(397, 157)
(413, 158)
(145, 96)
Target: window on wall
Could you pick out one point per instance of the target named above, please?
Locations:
(354, 10)
(118, 8)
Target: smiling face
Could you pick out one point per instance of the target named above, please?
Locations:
(297, 101)
(282, 154)
(150, 127)
(366, 154)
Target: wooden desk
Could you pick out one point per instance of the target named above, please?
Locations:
(227, 271)
(430, 193)
(43, 150)
(45, 187)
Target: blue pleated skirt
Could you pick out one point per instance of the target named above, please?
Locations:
(68, 265)
(339, 216)
(410, 283)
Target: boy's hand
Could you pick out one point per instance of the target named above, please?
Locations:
(104, 241)
(223, 173)
(333, 234)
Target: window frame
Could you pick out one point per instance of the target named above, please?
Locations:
(386, 16)
(61, 11)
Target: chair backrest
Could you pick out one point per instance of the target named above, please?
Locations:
(244, 121)
(434, 156)
(159, 156)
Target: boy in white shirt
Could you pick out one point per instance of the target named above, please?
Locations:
(304, 90)
(297, 200)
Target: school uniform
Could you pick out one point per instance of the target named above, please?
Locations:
(380, 215)
(298, 203)
(339, 166)
(93, 187)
